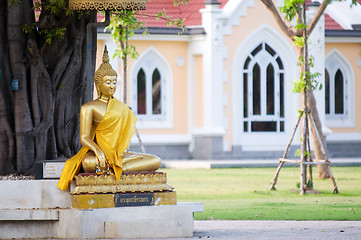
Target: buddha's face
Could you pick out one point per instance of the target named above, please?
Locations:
(108, 86)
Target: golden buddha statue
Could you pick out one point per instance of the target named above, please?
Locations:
(106, 127)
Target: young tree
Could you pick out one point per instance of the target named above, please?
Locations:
(293, 9)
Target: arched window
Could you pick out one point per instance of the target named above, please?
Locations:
(263, 86)
(335, 97)
(156, 93)
(149, 89)
(338, 91)
(152, 91)
(141, 93)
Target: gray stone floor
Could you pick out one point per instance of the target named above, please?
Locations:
(272, 230)
(250, 230)
(194, 163)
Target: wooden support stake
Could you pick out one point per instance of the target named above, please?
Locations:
(289, 160)
(140, 141)
(280, 164)
(335, 189)
(310, 161)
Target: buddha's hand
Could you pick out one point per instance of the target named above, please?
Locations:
(102, 160)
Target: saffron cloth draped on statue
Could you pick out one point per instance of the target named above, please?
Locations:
(113, 135)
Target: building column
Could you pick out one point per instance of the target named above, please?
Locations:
(208, 140)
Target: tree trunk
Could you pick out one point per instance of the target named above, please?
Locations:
(323, 170)
(7, 144)
(40, 120)
(23, 122)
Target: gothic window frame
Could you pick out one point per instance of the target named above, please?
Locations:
(263, 82)
(336, 64)
(271, 141)
(150, 61)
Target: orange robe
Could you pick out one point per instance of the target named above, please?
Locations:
(113, 135)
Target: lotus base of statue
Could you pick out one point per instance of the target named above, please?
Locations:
(132, 189)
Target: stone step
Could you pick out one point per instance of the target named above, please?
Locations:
(29, 215)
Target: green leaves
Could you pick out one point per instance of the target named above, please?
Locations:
(37, 5)
(122, 26)
(28, 28)
(306, 82)
(58, 7)
(54, 34)
(130, 51)
(299, 41)
(171, 21)
(51, 34)
(13, 2)
(291, 9)
(179, 2)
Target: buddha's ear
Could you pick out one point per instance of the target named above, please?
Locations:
(98, 91)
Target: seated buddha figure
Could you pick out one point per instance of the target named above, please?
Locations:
(106, 128)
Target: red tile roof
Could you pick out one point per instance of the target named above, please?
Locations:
(331, 24)
(190, 12)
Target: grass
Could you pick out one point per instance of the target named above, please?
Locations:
(243, 194)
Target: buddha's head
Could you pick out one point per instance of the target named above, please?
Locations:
(105, 77)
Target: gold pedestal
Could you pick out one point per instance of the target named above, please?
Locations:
(128, 182)
(108, 200)
(132, 189)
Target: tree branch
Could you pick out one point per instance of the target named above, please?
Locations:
(289, 31)
(317, 16)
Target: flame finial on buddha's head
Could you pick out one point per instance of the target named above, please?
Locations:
(105, 69)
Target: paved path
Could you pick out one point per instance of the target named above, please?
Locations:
(184, 164)
(251, 230)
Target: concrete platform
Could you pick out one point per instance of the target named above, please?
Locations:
(111, 223)
(32, 194)
(34, 209)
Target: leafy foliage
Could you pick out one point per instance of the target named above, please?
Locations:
(122, 26)
(57, 34)
(299, 41)
(58, 6)
(179, 2)
(307, 80)
(291, 9)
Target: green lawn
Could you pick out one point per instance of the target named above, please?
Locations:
(243, 194)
